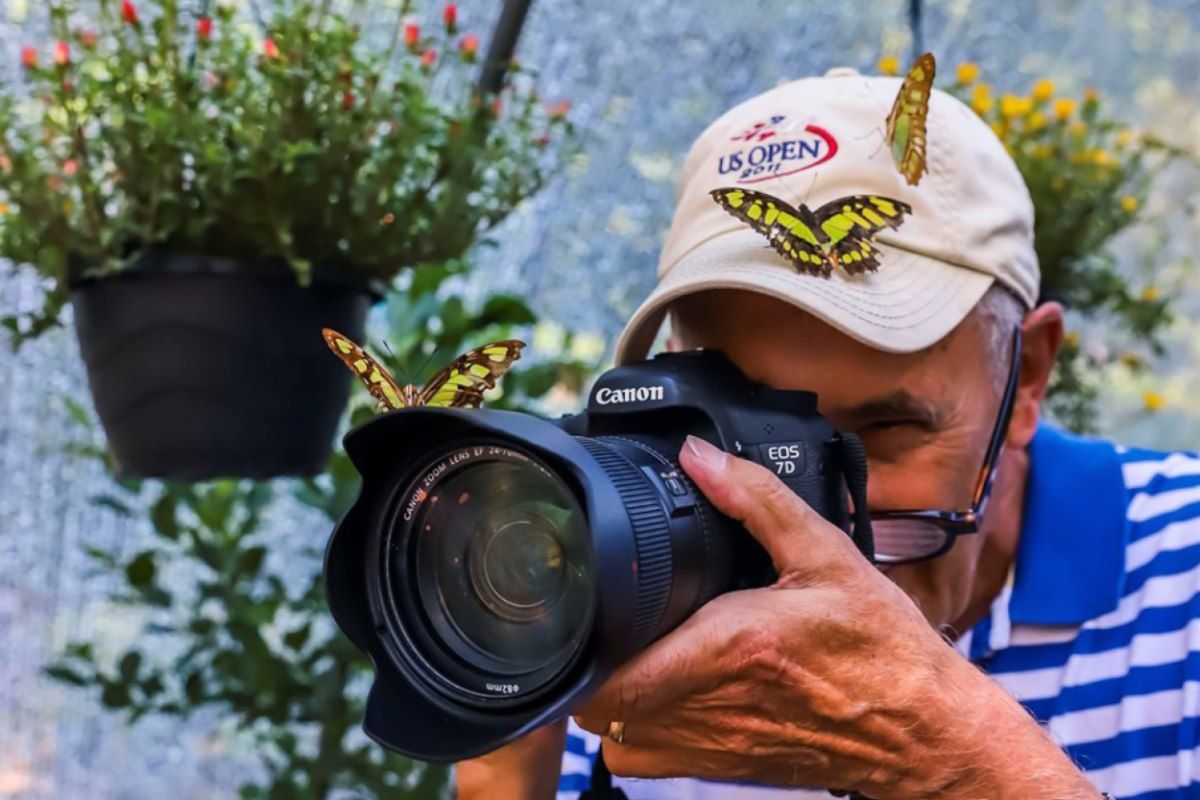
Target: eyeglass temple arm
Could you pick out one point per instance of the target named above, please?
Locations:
(987, 472)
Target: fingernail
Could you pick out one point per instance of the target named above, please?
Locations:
(710, 456)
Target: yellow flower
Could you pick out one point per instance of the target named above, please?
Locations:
(3, 208)
(1043, 151)
(889, 65)
(1043, 90)
(1036, 121)
(1071, 340)
(1153, 401)
(1103, 158)
(981, 98)
(1064, 107)
(1124, 138)
(1013, 106)
(1129, 204)
(967, 72)
(1000, 129)
(1077, 129)
(1150, 294)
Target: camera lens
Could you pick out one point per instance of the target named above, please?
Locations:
(498, 567)
(492, 551)
(517, 567)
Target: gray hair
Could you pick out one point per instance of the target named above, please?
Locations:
(998, 312)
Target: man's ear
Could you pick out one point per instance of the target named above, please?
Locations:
(1042, 335)
(673, 343)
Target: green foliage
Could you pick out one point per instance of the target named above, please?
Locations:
(296, 137)
(235, 625)
(1089, 176)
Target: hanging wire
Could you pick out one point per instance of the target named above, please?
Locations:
(502, 46)
(915, 28)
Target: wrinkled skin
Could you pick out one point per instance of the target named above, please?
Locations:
(837, 675)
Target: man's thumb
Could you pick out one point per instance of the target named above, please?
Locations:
(798, 539)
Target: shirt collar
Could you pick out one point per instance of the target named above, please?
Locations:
(1070, 563)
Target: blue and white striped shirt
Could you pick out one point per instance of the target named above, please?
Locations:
(1097, 632)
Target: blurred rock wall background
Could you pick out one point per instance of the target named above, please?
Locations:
(644, 77)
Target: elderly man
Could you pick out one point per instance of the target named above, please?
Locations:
(1074, 590)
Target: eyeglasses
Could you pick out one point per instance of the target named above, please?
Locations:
(905, 536)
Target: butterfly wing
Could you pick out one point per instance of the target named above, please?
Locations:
(462, 382)
(375, 377)
(786, 230)
(803, 254)
(851, 222)
(855, 254)
(906, 122)
(861, 215)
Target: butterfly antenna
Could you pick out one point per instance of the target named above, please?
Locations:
(425, 363)
(395, 359)
(811, 186)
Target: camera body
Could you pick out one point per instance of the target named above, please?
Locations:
(497, 566)
(702, 393)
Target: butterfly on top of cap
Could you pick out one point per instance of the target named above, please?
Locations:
(840, 233)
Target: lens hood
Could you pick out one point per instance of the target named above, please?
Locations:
(405, 711)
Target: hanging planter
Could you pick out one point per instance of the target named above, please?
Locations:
(205, 367)
(306, 162)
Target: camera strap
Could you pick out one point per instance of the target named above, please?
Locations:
(600, 786)
(854, 471)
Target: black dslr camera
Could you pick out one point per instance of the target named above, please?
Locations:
(497, 567)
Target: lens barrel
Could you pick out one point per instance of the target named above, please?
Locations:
(686, 551)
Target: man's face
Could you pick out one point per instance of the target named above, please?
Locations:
(925, 418)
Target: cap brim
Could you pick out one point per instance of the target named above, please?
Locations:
(910, 303)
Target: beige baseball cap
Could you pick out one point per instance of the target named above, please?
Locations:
(815, 140)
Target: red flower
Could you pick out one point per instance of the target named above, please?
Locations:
(87, 37)
(204, 27)
(29, 57)
(347, 101)
(497, 107)
(129, 13)
(69, 167)
(559, 110)
(412, 35)
(469, 46)
(541, 141)
(428, 58)
(270, 49)
(450, 16)
(62, 53)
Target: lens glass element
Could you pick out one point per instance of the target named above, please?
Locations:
(502, 560)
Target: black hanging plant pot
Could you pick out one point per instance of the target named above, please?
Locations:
(204, 367)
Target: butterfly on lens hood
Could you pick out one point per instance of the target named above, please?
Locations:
(459, 384)
(906, 122)
(838, 234)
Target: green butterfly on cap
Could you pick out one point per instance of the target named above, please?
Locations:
(906, 122)
(838, 234)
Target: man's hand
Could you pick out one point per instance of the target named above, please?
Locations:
(831, 677)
